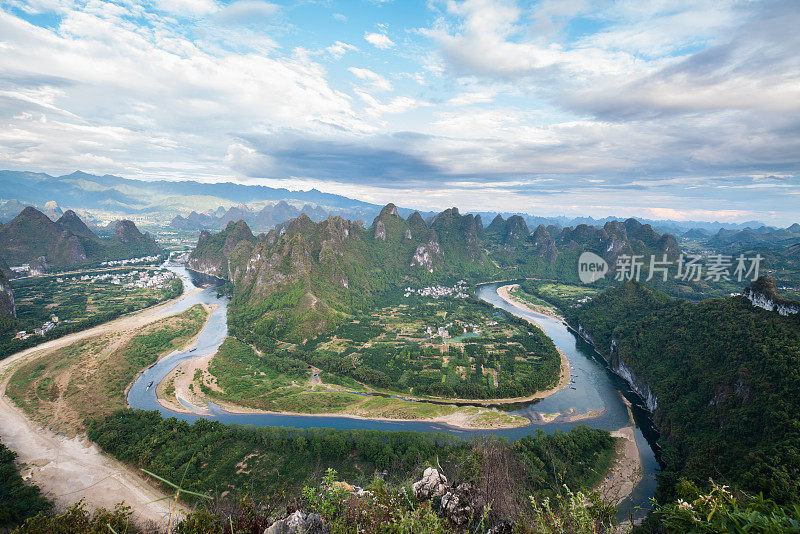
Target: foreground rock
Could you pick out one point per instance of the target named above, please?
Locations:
(433, 484)
(459, 504)
(299, 523)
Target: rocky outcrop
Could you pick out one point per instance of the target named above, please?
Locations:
(763, 293)
(7, 306)
(544, 245)
(212, 252)
(428, 254)
(299, 523)
(432, 484)
(380, 231)
(460, 503)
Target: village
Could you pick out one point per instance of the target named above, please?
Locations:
(131, 261)
(45, 328)
(458, 291)
(129, 280)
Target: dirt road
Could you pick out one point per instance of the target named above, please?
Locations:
(71, 469)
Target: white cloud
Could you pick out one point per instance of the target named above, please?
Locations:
(247, 12)
(666, 100)
(398, 105)
(150, 99)
(466, 99)
(379, 40)
(375, 81)
(190, 7)
(339, 49)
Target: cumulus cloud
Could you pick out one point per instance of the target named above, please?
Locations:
(676, 106)
(379, 40)
(101, 75)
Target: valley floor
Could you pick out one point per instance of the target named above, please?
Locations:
(71, 469)
(181, 391)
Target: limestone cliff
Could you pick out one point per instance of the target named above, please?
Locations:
(763, 293)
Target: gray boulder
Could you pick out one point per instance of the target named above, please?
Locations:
(299, 523)
(433, 484)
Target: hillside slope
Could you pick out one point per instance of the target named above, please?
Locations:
(307, 276)
(722, 376)
(31, 236)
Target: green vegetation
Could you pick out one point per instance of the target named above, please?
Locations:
(725, 374)
(562, 296)
(78, 304)
(721, 511)
(485, 353)
(64, 387)
(78, 520)
(381, 508)
(18, 501)
(270, 459)
(31, 237)
(284, 384)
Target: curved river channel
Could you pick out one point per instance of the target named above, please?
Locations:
(596, 388)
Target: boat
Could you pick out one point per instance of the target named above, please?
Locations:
(150, 385)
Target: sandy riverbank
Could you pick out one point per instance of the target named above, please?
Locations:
(625, 471)
(505, 294)
(68, 470)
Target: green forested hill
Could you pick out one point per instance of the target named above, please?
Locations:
(307, 277)
(726, 375)
(68, 242)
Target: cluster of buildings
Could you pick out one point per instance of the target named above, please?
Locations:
(45, 328)
(458, 291)
(131, 261)
(444, 333)
(128, 280)
(441, 331)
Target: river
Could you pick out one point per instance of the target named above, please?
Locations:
(596, 388)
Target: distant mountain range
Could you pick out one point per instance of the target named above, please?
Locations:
(204, 205)
(262, 220)
(307, 276)
(33, 238)
(161, 200)
(783, 237)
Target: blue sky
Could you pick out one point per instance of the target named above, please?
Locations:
(664, 109)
